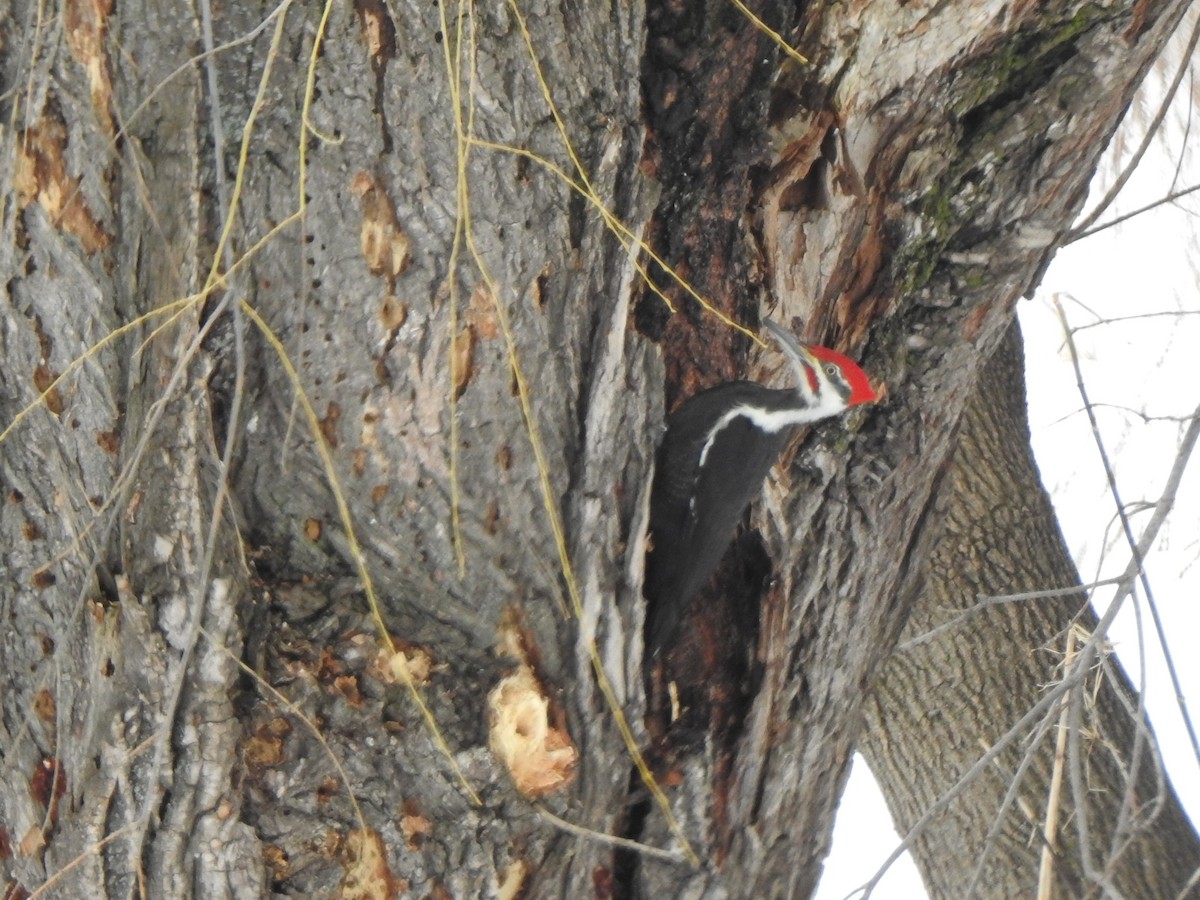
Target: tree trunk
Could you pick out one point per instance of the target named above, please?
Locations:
(959, 682)
(168, 513)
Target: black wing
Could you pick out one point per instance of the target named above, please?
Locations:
(694, 509)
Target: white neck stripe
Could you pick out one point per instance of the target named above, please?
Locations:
(772, 421)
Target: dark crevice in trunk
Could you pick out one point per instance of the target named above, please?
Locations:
(626, 863)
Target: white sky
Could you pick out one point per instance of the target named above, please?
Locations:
(1150, 366)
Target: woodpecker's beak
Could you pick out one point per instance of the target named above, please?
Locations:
(795, 349)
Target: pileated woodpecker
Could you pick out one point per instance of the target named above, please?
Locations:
(717, 449)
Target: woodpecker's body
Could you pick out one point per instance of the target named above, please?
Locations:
(718, 447)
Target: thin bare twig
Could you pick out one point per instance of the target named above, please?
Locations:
(1054, 800)
(1158, 314)
(985, 601)
(1010, 797)
(1151, 131)
(612, 839)
(1162, 508)
(1079, 235)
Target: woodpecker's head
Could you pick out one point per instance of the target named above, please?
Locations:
(826, 379)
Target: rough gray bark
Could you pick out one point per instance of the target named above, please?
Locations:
(109, 564)
(907, 189)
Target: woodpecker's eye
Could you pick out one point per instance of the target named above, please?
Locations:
(831, 370)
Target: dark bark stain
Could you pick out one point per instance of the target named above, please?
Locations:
(45, 341)
(622, 876)
(577, 219)
(329, 424)
(47, 784)
(1028, 61)
(539, 287)
(43, 378)
(706, 90)
(705, 87)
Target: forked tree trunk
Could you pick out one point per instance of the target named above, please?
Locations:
(897, 193)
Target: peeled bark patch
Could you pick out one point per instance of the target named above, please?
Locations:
(384, 244)
(540, 757)
(42, 176)
(402, 663)
(368, 876)
(512, 880)
(482, 314)
(379, 31)
(86, 29)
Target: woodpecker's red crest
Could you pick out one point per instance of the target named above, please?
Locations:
(860, 386)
